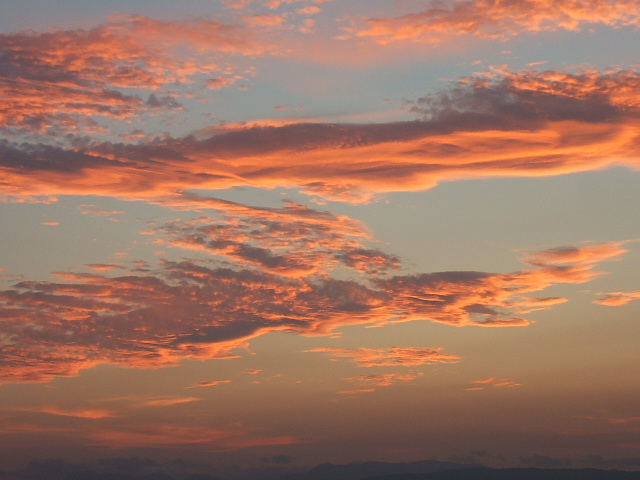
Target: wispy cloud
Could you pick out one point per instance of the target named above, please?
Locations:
(176, 436)
(87, 413)
(390, 357)
(494, 383)
(442, 20)
(210, 383)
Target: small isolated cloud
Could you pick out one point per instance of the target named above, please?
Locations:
(493, 382)
(87, 209)
(210, 383)
(390, 357)
(616, 299)
(163, 401)
(102, 267)
(443, 19)
(357, 391)
(50, 224)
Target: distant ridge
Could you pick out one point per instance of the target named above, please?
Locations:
(516, 474)
(365, 470)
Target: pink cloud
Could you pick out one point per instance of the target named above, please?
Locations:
(442, 20)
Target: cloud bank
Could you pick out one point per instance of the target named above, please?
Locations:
(504, 124)
(155, 317)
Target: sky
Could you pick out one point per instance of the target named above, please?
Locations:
(276, 233)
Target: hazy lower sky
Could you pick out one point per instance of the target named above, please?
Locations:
(257, 232)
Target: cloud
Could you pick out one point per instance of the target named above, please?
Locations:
(55, 82)
(493, 382)
(390, 357)
(386, 379)
(164, 401)
(291, 241)
(155, 317)
(356, 391)
(186, 436)
(87, 413)
(211, 383)
(616, 299)
(442, 20)
(524, 124)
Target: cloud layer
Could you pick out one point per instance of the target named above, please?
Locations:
(153, 317)
(504, 124)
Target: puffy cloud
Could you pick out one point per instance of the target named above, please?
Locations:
(55, 82)
(616, 299)
(292, 241)
(150, 318)
(440, 20)
(512, 124)
(390, 357)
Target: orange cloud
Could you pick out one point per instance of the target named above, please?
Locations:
(89, 413)
(616, 299)
(356, 392)
(292, 241)
(523, 124)
(494, 382)
(386, 379)
(165, 401)
(155, 317)
(390, 357)
(441, 20)
(211, 383)
(55, 82)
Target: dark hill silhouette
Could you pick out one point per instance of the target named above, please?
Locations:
(517, 474)
(360, 471)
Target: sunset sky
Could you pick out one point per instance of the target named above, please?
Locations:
(286, 232)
